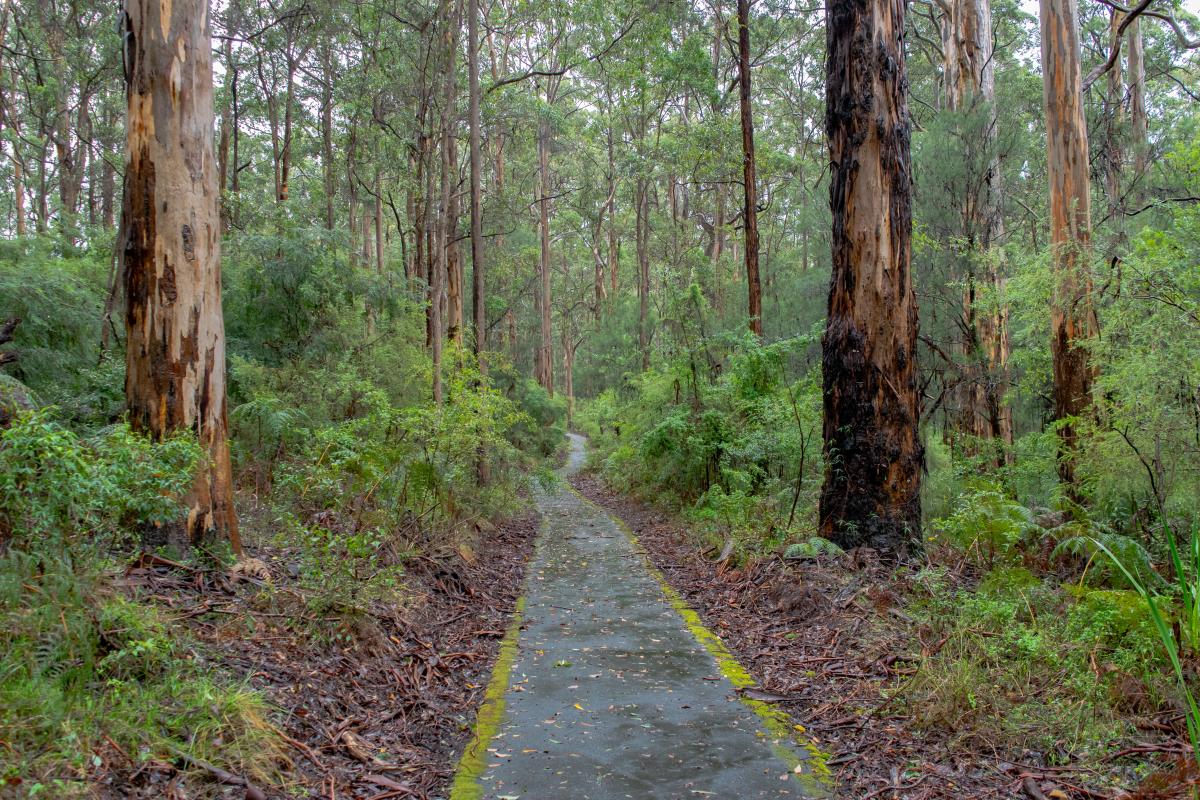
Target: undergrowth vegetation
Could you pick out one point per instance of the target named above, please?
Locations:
(1057, 624)
(346, 470)
(85, 666)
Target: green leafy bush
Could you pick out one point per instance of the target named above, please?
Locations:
(58, 488)
(739, 452)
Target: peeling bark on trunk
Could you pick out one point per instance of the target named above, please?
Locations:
(1072, 315)
(750, 189)
(873, 452)
(175, 358)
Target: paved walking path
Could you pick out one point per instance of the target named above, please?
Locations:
(611, 693)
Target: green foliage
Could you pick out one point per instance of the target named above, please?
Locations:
(1084, 542)
(540, 428)
(986, 522)
(1012, 664)
(81, 665)
(1188, 586)
(810, 548)
(58, 293)
(58, 489)
(739, 451)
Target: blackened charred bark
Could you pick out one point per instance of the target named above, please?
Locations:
(873, 452)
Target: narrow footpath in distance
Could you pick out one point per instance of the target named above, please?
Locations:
(609, 688)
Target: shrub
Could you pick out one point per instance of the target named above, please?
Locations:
(60, 489)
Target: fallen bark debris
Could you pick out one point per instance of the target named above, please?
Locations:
(397, 698)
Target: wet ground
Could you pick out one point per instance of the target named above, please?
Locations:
(611, 694)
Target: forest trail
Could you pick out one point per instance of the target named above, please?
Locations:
(613, 689)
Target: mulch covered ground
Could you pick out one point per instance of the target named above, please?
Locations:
(822, 642)
(378, 712)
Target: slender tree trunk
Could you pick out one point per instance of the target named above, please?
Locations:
(1113, 132)
(971, 87)
(328, 167)
(545, 355)
(478, 267)
(454, 265)
(1137, 106)
(175, 354)
(568, 347)
(19, 192)
(226, 136)
(235, 179)
(873, 452)
(445, 223)
(750, 194)
(43, 190)
(9, 115)
(352, 201)
(642, 239)
(285, 156)
(613, 266)
(1072, 315)
(379, 254)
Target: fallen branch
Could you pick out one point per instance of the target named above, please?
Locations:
(222, 776)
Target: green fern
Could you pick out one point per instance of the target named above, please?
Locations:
(1084, 543)
(812, 547)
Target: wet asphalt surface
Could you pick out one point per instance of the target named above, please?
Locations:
(611, 696)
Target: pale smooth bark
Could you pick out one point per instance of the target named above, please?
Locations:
(175, 355)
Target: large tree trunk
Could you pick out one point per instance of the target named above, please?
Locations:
(873, 452)
(971, 86)
(750, 190)
(175, 359)
(1072, 316)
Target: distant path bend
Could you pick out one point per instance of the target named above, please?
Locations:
(612, 689)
